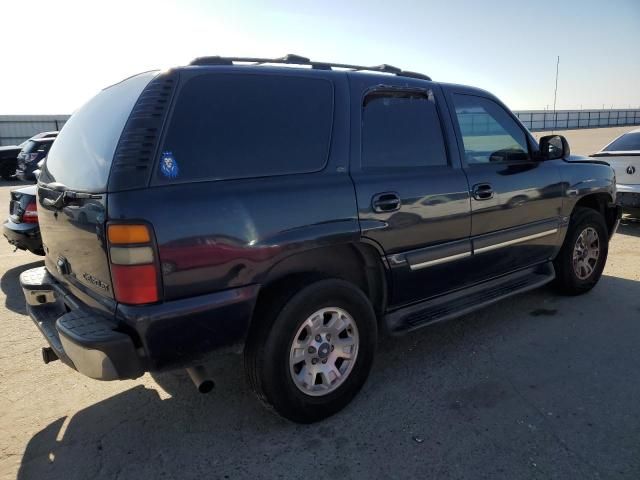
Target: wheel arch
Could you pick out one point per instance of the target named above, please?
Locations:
(603, 203)
(356, 262)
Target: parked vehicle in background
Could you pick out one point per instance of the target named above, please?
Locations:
(623, 154)
(294, 214)
(32, 153)
(9, 155)
(21, 229)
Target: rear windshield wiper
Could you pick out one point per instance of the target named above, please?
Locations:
(66, 196)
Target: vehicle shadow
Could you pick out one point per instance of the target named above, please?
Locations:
(432, 382)
(10, 285)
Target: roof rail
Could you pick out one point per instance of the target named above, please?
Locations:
(298, 60)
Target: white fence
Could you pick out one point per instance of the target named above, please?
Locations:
(15, 129)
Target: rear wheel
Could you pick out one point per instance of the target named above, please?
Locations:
(313, 350)
(583, 255)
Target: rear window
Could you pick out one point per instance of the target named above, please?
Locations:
(81, 156)
(228, 126)
(627, 142)
(30, 147)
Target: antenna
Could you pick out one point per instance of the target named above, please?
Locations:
(555, 96)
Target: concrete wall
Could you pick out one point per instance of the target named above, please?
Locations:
(15, 129)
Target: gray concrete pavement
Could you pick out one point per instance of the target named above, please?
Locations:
(538, 386)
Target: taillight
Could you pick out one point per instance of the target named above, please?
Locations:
(134, 269)
(30, 214)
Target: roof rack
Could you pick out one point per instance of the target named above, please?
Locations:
(298, 60)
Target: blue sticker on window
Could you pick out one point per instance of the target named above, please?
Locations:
(168, 165)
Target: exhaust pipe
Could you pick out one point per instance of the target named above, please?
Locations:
(200, 379)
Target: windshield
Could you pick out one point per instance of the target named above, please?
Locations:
(81, 156)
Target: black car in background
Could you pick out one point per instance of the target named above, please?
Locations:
(9, 154)
(21, 229)
(33, 152)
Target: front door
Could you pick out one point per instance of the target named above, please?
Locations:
(516, 200)
(413, 200)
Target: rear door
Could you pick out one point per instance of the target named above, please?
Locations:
(516, 200)
(413, 197)
(73, 231)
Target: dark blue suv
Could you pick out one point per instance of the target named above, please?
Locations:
(294, 211)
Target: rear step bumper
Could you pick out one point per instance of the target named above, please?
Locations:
(136, 339)
(82, 338)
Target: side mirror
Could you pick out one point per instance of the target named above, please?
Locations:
(553, 147)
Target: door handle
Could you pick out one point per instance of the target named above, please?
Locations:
(386, 202)
(482, 191)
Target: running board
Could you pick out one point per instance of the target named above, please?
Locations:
(467, 300)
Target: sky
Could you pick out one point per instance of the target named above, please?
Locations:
(56, 55)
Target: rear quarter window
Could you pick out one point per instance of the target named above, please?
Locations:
(227, 126)
(81, 156)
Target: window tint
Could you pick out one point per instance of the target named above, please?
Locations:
(627, 142)
(82, 154)
(401, 130)
(237, 126)
(488, 132)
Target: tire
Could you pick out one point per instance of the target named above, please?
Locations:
(579, 280)
(269, 355)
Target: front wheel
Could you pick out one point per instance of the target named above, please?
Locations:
(583, 255)
(315, 353)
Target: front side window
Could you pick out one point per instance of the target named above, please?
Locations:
(488, 132)
(228, 126)
(401, 129)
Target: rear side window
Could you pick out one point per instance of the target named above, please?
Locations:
(401, 130)
(228, 126)
(627, 142)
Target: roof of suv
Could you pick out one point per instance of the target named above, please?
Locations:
(296, 62)
(291, 59)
